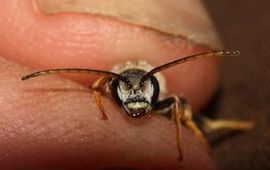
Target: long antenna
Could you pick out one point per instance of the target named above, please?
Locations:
(218, 53)
(75, 70)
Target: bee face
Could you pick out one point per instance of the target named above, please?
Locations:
(137, 97)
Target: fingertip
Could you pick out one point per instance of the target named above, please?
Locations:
(59, 125)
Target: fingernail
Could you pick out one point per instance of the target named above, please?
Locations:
(179, 18)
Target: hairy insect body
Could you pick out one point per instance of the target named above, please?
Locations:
(138, 97)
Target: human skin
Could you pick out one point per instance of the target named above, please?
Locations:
(53, 122)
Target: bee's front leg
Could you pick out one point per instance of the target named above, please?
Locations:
(97, 87)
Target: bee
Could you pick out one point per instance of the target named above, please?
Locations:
(137, 87)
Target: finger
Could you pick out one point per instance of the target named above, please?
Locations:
(54, 123)
(98, 42)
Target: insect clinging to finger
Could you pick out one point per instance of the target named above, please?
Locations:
(137, 86)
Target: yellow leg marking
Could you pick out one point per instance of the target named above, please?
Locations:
(190, 124)
(100, 106)
(99, 83)
(212, 125)
(177, 118)
(97, 87)
(193, 127)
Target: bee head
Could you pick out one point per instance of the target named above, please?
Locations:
(134, 95)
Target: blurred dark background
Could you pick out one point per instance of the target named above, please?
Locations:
(245, 88)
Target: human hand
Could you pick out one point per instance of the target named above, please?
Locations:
(53, 122)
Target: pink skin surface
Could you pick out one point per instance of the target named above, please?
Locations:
(52, 122)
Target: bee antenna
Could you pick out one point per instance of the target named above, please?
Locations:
(75, 70)
(218, 53)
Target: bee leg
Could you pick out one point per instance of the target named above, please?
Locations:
(213, 125)
(188, 122)
(177, 108)
(97, 87)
